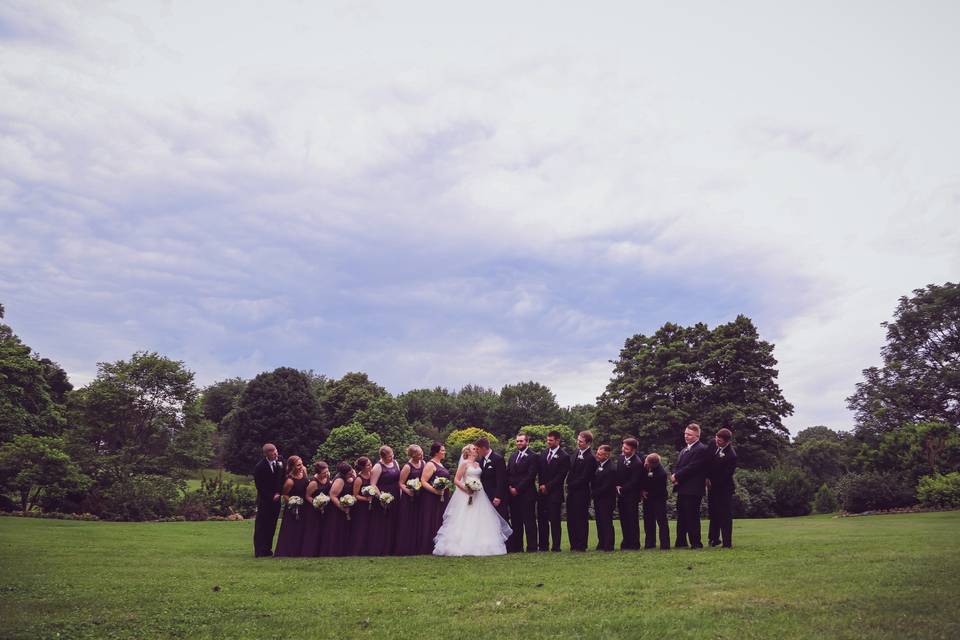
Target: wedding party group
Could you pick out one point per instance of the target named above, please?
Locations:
(492, 506)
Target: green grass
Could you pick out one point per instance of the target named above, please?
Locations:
(894, 576)
(194, 483)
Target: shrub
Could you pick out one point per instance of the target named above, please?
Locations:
(140, 497)
(859, 492)
(193, 507)
(348, 443)
(941, 491)
(457, 440)
(753, 497)
(537, 437)
(825, 501)
(792, 491)
(219, 497)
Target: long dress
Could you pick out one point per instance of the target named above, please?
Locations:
(472, 528)
(335, 535)
(313, 528)
(290, 540)
(362, 517)
(408, 516)
(384, 519)
(431, 512)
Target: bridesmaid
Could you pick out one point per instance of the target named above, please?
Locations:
(433, 502)
(335, 539)
(362, 513)
(386, 478)
(313, 527)
(290, 539)
(408, 507)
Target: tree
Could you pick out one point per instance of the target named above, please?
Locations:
(220, 398)
(343, 398)
(523, 403)
(581, 417)
(475, 406)
(537, 437)
(436, 407)
(720, 378)
(37, 467)
(457, 440)
(127, 418)
(347, 443)
(279, 407)
(32, 390)
(384, 416)
(919, 380)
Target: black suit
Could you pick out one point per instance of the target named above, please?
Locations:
(493, 475)
(522, 476)
(604, 490)
(720, 473)
(269, 483)
(552, 474)
(582, 467)
(691, 474)
(655, 508)
(630, 481)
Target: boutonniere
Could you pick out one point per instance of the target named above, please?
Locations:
(723, 455)
(627, 462)
(649, 474)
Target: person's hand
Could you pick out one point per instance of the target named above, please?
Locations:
(708, 483)
(644, 494)
(496, 502)
(276, 497)
(513, 491)
(619, 490)
(408, 491)
(543, 488)
(673, 478)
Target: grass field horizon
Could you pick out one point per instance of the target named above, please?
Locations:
(890, 576)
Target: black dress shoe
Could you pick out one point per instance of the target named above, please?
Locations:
(714, 543)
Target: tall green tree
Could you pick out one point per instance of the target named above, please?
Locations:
(437, 407)
(37, 468)
(222, 397)
(32, 389)
(384, 417)
(522, 404)
(279, 407)
(343, 398)
(475, 406)
(720, 378)
(919, 380)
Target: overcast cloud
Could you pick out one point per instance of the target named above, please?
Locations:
(439, 194)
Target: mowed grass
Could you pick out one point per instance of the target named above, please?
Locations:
(194, 483)
(893, 576)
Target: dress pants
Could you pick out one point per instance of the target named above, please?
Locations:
(548, 523)
(721, 518)
(688, 521)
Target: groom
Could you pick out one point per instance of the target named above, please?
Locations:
(493, 475)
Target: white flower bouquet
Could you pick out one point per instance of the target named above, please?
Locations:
(386, 498)
(371, 492)
(294, 502)
(347, 501)
(414, 484)
(473, 485)
(320, 501)
(442, 485)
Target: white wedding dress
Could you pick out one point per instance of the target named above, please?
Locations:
(471, 529)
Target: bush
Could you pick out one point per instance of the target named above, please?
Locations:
(753, 497)
(193, 507)
(537, 437)
(825, 501)
(859, 492)
(792, 491)
(348, 443)
(140, 497)
(940, 491)
(457, 440)
(219, 497)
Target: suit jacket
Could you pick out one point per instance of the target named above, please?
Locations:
(604, 483)
(553, 474)
(493, 475)
(630, 476)
(581, 472)
(691, 470)
(720, 471)
(523, 476)
(268, 483)
(656, 485)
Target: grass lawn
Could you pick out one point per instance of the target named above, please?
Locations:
(194, 483)
(893, 576)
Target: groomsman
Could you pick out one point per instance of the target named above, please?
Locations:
(655, 504)
(604, 489)
(720, 489)
(493, 475)
(582, 468)
(552, 468)
(629, 484)
(522, 488)
(689, 480)
(268, 477)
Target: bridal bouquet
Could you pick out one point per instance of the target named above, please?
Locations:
(347, 501)
(385, 499)
(473, 485)
(414, 485)
(320, 501)
(442, 485)
(294, 502)
(371, 492)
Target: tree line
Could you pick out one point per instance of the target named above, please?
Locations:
(122, 446)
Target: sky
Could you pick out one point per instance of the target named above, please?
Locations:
(442, 193)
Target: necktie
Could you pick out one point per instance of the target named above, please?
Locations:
(550, 456)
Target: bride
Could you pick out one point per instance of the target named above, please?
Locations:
(471, 525)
